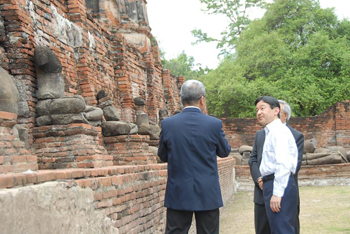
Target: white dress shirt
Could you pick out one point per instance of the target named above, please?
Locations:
(192, 107)
(280, 155)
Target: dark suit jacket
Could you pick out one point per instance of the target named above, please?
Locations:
(299, 140)
(190, 142)
(256, 156)
(254, 164)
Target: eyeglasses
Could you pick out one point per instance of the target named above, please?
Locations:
(201, 97)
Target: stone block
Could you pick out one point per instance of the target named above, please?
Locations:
(114, 128)
(9, 95)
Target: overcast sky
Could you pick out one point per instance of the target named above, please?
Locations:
(172, 21)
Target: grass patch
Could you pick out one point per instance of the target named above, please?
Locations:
(322, 210)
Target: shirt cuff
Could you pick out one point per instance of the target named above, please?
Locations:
(278, 191)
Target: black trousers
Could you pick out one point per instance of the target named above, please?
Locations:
(179, 221)
(261, 221)
(297, 222)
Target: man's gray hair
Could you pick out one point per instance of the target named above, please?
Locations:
(191, 91)
(286, 109)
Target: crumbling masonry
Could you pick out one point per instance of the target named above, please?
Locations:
(82, 94)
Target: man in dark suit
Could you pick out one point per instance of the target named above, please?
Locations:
(286, 113)
(190, 142)
(260, 217)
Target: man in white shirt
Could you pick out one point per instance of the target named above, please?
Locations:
(277, 167)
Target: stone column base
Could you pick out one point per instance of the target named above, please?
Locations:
(14, 157)
(130, 150)
(75, 145)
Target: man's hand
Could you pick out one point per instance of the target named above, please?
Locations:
(275, 203)
(260, 182)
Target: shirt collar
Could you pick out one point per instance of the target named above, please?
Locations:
(192, 107)
(273, 125)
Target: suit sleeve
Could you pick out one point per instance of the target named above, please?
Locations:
(162, 148)
(300, 145)
(253, 162)
(223, 149)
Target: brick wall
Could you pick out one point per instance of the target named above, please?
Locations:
(121, 59)
(70, 146)
(14, 157)
(108, 48)
(330, 128)
(130, 197)
(130, 150)
(226, 177)
(316, 175)
(240, 131)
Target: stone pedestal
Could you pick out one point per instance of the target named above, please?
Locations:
(70, 146)
(14, 157)
(130, 150)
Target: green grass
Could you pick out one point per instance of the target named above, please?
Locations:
(322, 210)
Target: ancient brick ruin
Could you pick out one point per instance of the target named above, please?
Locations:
(82, 94)
(59, 51)
(328, 132)
(330, 128)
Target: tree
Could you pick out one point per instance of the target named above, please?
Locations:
(236, 12)
(298, 52)
(184, 65)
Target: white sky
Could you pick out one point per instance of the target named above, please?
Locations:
(172, 21)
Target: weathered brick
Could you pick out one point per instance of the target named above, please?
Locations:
(7, 115)
(6, 181)
(44, 176)
(124, 71)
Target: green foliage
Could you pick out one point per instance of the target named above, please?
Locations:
(297, 52)
(236, 11)
(184, 65)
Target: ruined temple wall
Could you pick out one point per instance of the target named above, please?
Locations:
(330, 128)
(47, 23)
(315, 175)
(321, 127)
(342, 124)
(124, 199)
(156, 98)
(118, 199)
(171, 87)
(240, 131)
(4, 60)
(130, 78)
(93, 57)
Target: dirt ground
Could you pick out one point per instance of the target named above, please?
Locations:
(322, 210)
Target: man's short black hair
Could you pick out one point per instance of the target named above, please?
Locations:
(273, 102)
